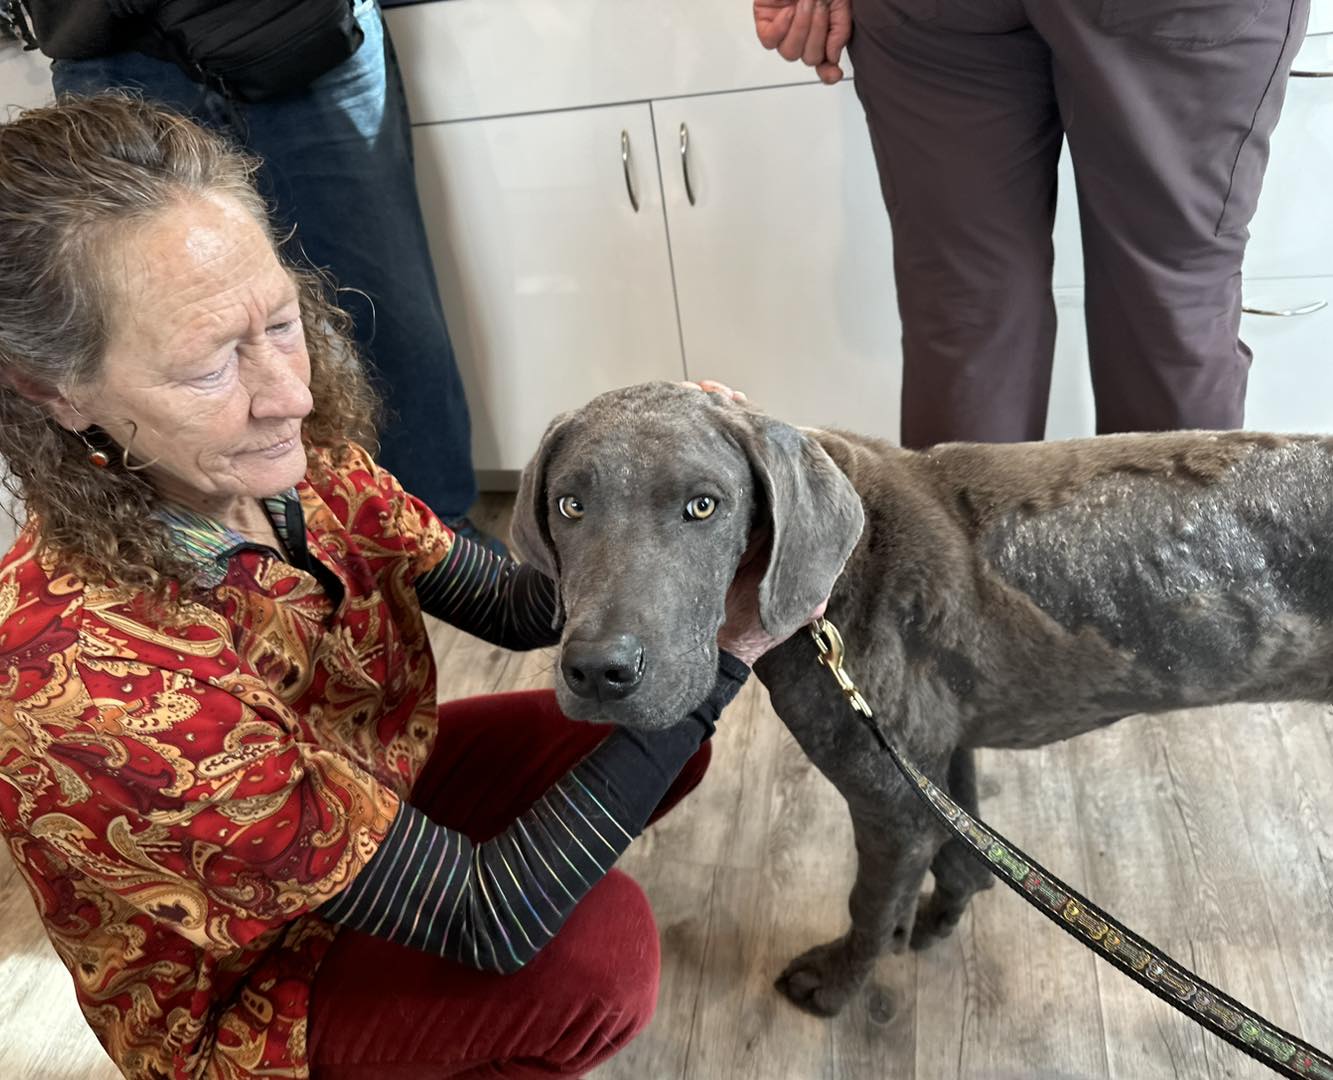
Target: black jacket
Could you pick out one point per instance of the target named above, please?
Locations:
(249, 49)
(79, 29)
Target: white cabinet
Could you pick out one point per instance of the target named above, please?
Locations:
(776, 278)
(468, 59)
(1291, 378)
(556, 288)
(783, 262)
(1292, 231)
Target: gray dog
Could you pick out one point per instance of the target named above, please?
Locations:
(1002, 596)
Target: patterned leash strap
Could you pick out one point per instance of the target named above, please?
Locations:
(1141, 961)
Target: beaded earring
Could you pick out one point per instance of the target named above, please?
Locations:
(97, 458)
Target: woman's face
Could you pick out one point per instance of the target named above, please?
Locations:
(206, 376)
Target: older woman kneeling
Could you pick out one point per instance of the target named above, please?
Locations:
(252, 838)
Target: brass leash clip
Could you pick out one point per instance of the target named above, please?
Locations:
(831, 652)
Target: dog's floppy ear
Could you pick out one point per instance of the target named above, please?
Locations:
(529, 532)
(815, 519)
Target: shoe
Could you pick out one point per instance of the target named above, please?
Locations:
(463, 526)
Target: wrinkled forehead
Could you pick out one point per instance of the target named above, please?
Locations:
(645, 453)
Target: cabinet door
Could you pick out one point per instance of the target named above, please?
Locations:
(783, 260)
(555, 287)
(1292, 231)
(1291, 378)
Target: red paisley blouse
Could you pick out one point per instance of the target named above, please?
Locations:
(180, 793)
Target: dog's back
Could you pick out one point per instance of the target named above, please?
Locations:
(1109, 576)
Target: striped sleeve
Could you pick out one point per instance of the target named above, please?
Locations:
(499, 600)
(494, 905)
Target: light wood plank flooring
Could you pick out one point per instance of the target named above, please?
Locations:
(1211, 833)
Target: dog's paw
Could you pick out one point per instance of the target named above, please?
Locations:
(936, 918)
(822, 980)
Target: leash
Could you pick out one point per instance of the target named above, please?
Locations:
(1140, 960)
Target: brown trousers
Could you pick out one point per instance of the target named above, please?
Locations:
(1168, 106)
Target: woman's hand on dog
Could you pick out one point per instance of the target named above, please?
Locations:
(712, 386)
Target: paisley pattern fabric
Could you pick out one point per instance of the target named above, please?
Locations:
(181, 787)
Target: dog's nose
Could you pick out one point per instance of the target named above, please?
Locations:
(606, 670)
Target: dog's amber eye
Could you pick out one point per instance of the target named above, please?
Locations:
(570, 507)
(700, 507)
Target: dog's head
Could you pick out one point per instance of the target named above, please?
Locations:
(641, 505)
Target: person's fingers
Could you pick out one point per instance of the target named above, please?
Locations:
(839, 32)
(771, 23)
(816, 41)
(828, 73)
(712, 386)
(793, 45)
(715, 387)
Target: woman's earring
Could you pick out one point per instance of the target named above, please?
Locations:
(98, 458)
(125, 452)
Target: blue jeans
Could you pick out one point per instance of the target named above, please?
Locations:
(338, 165)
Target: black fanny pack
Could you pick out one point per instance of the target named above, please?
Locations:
(254, 51)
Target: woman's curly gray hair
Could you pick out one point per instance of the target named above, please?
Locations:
(73, 176)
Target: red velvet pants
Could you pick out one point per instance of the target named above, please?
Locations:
(382, 1011)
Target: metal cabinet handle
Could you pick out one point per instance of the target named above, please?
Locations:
(1287, 313)
(685, 161)
(1313, 74)
(624, 163)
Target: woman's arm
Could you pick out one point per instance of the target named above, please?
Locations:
(495, 904)
(499, 600)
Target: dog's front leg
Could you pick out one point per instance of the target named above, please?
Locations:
(894, 846)
(895, 836)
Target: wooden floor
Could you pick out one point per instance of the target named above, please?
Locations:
(1211, 833)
